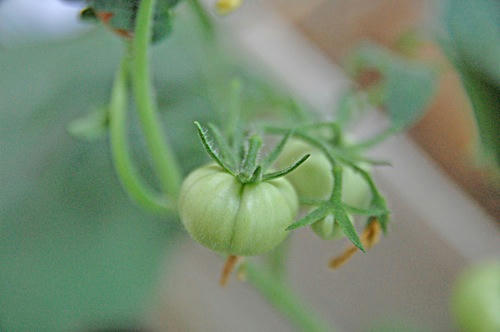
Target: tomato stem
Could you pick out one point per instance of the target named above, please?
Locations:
(125, 169)
(164, 159)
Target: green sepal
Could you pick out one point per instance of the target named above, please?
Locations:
(347, 227)
(310, 218)
(378, 202)
(250, 161)
(212, 152)
(283, 172)
(256, 176)
(223, 145)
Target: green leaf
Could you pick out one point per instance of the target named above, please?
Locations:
(473, 45)
(409, 89)
(210, 149)
(407, 85)
(310, 218)
(379, 203)
(250, 161)
(283, 172)
(223, 145)
(484, 95)
(257, 175)
(123, 13)
(347, 227)
(474, 32)
(92, 126)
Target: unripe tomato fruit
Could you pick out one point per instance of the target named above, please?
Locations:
(227, 216)
(475, 301)
(314, 178)
(328, 229)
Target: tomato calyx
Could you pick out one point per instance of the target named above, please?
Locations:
(248, 167)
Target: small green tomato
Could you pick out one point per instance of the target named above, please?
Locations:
(230, 217)
(475, 301)
(314, 179)
(328, 229)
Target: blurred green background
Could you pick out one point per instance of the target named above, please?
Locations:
(74, 251)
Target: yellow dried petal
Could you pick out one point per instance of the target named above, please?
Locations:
(225, 7)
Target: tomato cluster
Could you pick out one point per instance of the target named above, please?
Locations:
(314, 181)
(233, 217)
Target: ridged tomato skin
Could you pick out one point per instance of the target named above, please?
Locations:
(233, 218)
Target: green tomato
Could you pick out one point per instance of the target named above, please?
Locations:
(475, 301)
(234, 218)
(314, 178)
(328, 229)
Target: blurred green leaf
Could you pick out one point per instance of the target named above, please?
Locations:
(473, 44)
(474, 30)
(484, 97)
(409, 88)
(122, 15)
(91, 126)
(406, 86)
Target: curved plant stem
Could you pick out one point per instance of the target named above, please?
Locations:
(283, 299)
(129, 178)
(164, 160)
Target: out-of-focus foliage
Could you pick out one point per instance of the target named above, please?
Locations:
(404, 87)
(121, 14)
(74, 251)
(473, 45)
